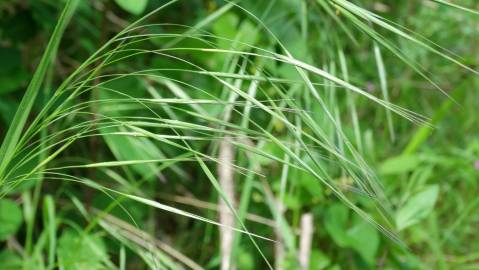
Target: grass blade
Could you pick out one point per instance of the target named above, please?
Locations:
(12, 137)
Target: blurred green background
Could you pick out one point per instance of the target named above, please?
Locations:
(430, 175)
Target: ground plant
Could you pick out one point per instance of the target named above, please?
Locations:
(218, 134)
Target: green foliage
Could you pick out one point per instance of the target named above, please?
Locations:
(14, 131)
(417, 207)
(128, 143)
(400, 164)
(135, 7)
(80, 251)
(359, 235)
(9, 260)
(10, 218)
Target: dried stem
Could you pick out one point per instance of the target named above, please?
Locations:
(225, 175)
(306, 238)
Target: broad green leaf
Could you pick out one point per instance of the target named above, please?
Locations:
(364, 239)
(399, 164)
(319, 260)
(226, 27)
(10, 261)
(81, 251)
(336, 222)
(273, 150)
(10, 218)
(245, 259)
(361, 236)
(248, 34)
(292, 202)
(310, 184)
(135, 7)
(126, 148)
(417, 207)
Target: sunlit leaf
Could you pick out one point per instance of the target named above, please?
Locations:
(10, 261)
(81, 251)
(10, 218)
(417, 207)
(364, 238)
(135, 7)
(399, 164)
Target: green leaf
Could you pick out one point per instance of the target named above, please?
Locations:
(14, 132)
(417, 207)
(245, 259)
(361, 236)
(226, 26)
(126, 148)
(364, 239)
(10, 218)
(81, 251)
(399, 164)
(310, 184)
(135, 7)
(10, 260)
(336, 219)
(292, 202)
(247, 34)
(319, 260)
(272, 149)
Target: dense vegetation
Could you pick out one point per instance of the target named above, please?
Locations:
(305, 134)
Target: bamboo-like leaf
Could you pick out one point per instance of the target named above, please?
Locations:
(12, 137)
